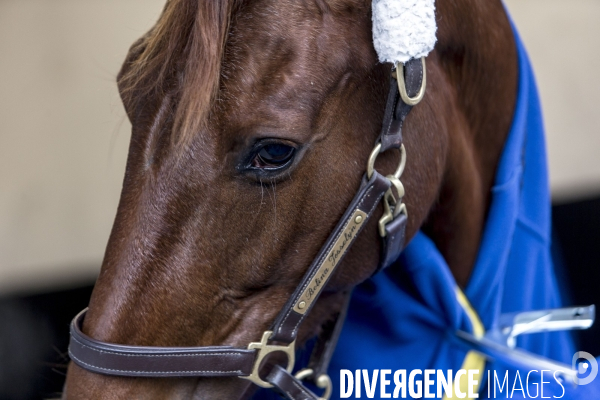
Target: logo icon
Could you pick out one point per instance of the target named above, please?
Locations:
(589, 367)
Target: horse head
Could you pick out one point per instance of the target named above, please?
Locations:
(253, 122)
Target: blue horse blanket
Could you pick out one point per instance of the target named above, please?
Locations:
(405, 317)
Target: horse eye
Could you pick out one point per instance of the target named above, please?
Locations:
(273, 156)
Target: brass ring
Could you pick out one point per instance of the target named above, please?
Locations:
(376, 151)
(322, 382)
(303, 374)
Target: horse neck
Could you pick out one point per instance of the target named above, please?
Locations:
(477, 54)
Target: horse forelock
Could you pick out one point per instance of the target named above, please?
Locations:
(180, 56)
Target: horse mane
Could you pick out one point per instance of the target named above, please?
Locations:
(181, 57)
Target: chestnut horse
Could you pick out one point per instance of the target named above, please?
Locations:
(252, 125)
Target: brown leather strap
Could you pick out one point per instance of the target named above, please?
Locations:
(391, 129)
(285, 327)
(112, 359)
(393, 242)
(396, 110)
(288, 386)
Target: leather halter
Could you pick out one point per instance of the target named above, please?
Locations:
(215, 361)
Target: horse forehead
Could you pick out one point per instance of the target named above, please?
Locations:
(302, 47)
(283, 75)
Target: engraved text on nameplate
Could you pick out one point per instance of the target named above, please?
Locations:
(331, 260)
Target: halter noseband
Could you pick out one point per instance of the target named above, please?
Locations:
(407, 88)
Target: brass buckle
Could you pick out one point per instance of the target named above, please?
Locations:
(411, 101)
(322, 382)
(265, 349)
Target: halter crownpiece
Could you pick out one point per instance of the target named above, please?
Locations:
(403, 29)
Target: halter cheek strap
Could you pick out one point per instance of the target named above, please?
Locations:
(407, 88)
(214, 361)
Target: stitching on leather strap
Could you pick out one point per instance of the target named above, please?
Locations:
(151, 372)
(376, 203)
(155, 355)
(302, 389)
(393, 112)
(307, 281)
(316, 269)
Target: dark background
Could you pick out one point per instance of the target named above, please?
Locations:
(34, 329)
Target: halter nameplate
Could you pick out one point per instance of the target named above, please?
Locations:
(330, 262)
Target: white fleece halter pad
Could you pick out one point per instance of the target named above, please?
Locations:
(403, 29)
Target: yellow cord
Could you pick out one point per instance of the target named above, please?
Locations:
(473, 360)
